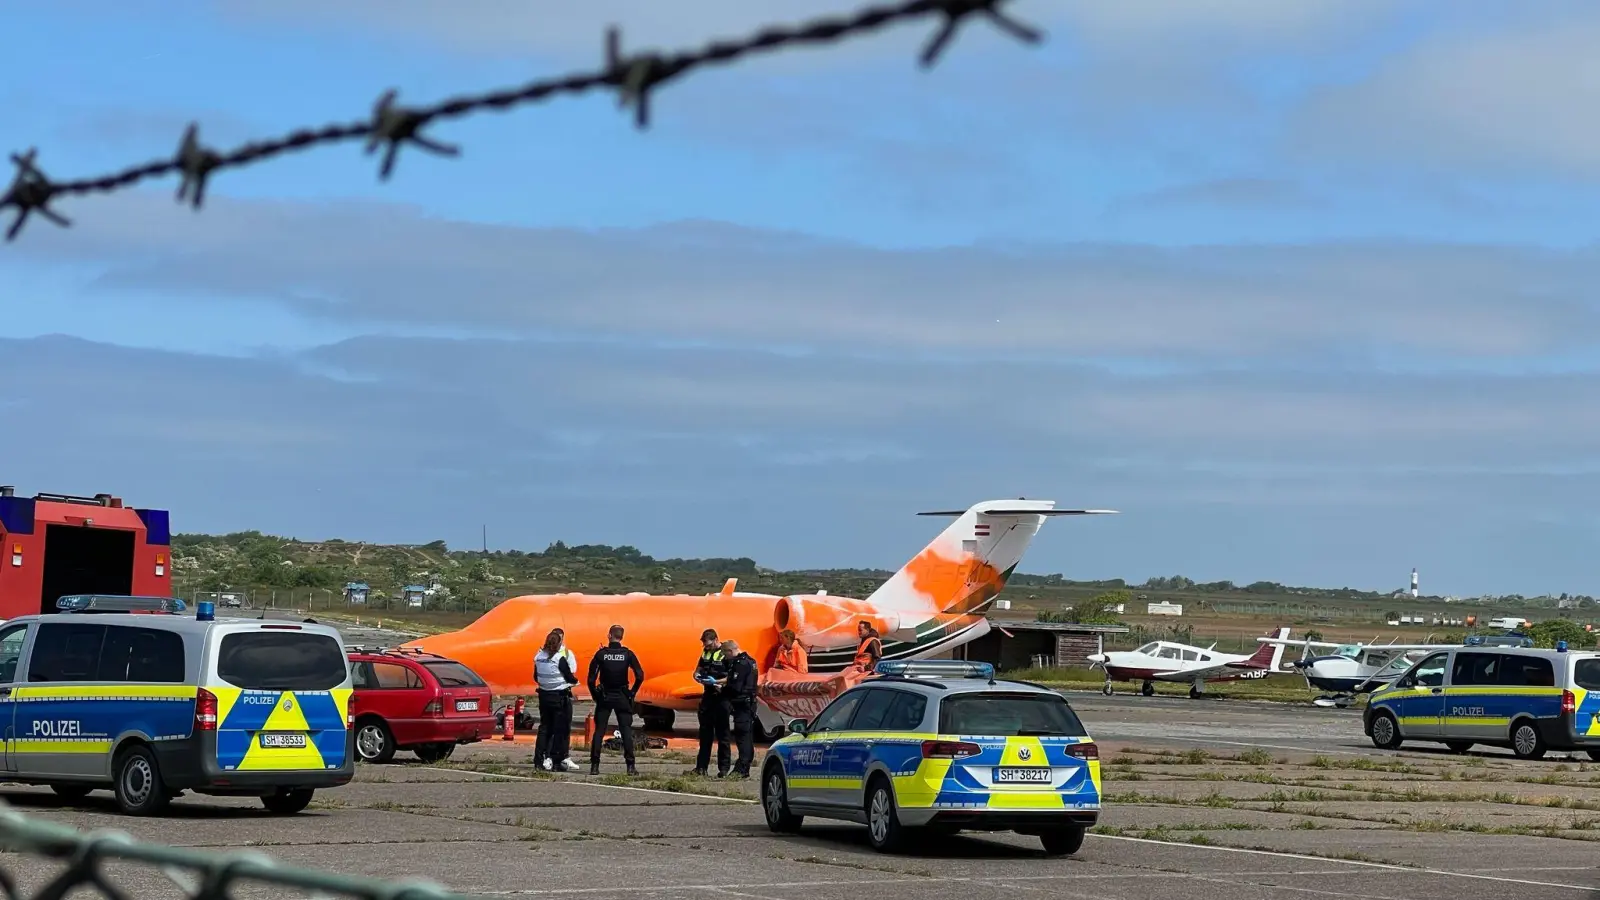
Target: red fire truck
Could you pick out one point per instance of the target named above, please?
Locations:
(59, 544)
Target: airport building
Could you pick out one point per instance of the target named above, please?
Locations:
(1023, 644)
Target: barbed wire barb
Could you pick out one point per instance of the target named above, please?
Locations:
(196, 162)
(956, 12)
(30, 192)
(390, 125)
(395, 125)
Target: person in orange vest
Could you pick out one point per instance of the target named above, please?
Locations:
(871, 648)
(790, 655)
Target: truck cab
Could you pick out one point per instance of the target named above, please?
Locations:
(58, 545)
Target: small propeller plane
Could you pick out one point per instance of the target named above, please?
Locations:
(1169, 661)
(1351, 670)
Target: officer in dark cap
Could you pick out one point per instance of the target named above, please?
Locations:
(712, 674)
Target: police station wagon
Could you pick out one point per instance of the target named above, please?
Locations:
(1528, 700)
(122, 693)
(938, 746)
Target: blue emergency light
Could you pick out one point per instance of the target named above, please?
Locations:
(205, 611)
(935, 668)
(1561, 646)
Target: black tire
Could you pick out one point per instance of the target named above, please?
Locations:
(1148, 689)
(1106, 689)
(138, 786)
(432, 753)
(287, 803)
(1063, 841)
(1458, 746)
(1525, 740)
(1386, 732)
(374, 741)
(71, 793)
(884, 830)
(775, 802)
(766, 736)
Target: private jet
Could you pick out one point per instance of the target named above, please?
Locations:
(1170, 661)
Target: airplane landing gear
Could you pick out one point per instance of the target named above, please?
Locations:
(1195, 691)
(1148, 690)
(1107, 688)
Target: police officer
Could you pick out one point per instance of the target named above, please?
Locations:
(741, 692)
(608, 685)
(712, 674)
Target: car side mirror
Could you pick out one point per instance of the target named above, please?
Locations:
(797, 726)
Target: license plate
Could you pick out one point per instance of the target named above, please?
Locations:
(283, 740)
(466, 706)
(1022, 775)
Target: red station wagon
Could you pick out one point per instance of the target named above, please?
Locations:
(409, 700)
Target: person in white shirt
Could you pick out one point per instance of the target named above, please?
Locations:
(554, 672)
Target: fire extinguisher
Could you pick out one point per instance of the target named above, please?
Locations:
(508, 729)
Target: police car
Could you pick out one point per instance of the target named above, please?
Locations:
(939, 746)
(1528, 700)
(124, 693)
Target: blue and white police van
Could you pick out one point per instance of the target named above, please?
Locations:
(128, 694)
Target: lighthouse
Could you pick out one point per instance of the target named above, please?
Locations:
(1413, 583)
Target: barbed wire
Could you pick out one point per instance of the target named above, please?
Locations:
(391, 126)
(199, 875)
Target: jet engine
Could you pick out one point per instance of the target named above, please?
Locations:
(826, 621)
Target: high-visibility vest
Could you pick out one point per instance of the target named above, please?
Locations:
(864, 654)
(793, 659)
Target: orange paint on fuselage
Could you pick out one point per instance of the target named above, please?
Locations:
(953, 586)
(662, 630)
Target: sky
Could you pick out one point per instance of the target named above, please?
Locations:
(1305, 290)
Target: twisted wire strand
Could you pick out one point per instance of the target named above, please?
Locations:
(391, 126)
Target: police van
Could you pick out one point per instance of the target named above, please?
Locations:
(127, 694)
(1526, 699)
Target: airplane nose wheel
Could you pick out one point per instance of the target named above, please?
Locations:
(1149, 689)
(1106, 689)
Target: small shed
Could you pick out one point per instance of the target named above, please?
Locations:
(355, 592)
(1021, 644)
(414, 594)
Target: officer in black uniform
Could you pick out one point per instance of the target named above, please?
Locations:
(608, 685)
(712, 673)
(741, 692)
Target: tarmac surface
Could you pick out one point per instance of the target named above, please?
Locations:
(1202, 797)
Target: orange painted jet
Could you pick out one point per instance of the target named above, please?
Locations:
(934, 604)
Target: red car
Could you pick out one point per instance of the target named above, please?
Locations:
(405, 700)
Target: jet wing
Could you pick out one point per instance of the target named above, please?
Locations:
(676, 686)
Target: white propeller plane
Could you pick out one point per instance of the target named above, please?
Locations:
(1351, 670)
(1170, 661)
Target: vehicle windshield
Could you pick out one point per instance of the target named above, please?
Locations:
(281, 661)
(1008, 715)
(1149, 649)
(453, 674)
(1348, 650)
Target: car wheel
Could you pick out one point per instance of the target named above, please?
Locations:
(287, 803)
(374, 741)
(775, 803)
(1064, 841)
(1525, 740)
(432, 753)
(1458, 746)
(883, 823)
(71, 793)
(138, 786)
(1385, 732)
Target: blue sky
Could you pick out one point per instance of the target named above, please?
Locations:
(1305, 290)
